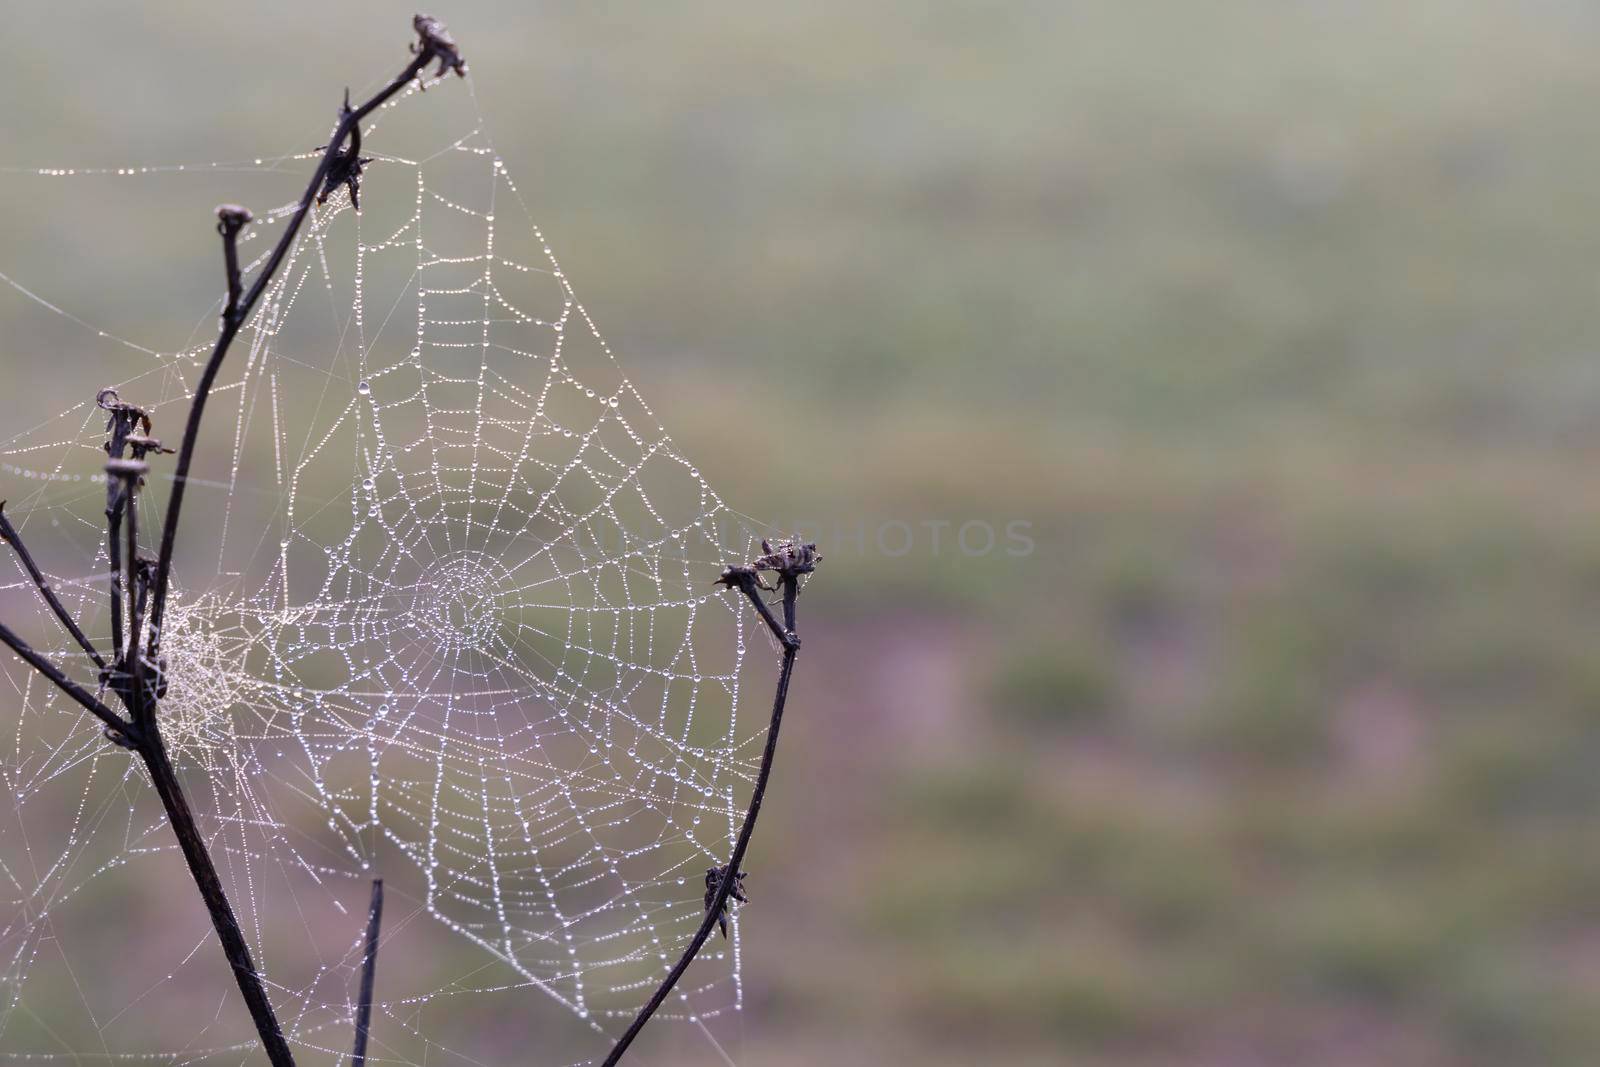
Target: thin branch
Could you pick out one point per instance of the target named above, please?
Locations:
(369, 972)
(154, 752)
(235, 313)
(112, 720)
(147, 741)
(131, 680)
(114, 507)
(118, 426)
(126, 675)
(791, 593)
(748, 581)
(725, 886)
(433, 44)
(130, 567)
(790, 560)
(9, 534)
(231, 218)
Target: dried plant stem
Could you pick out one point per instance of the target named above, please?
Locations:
(128, 676)
(9, 534)
(154, 753)
(150, 747)
(745, 579)
(234, 315)
(114, 561)
(33, 659)
(369, 972)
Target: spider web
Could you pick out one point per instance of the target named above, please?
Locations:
(442, 614)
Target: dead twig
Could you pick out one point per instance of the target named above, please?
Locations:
(369, 973)
(790, 561)
(10, 536)
(138, 676)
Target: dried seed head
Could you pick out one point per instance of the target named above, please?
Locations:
(789, 558)
(231, 218)
(436, 42)
(742, 577)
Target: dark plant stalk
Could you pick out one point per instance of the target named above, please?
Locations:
(8, 533)
(369, 971)
(785, 633)
(114, 509)
(127, 676)
(153, 751)
(142, 710)
(791, 562)
(150, 747)
(726, 885)
(33, 659)
(238, 310)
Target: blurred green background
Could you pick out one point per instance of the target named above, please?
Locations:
(1273, 325)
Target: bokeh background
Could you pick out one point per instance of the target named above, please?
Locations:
(1269, 327)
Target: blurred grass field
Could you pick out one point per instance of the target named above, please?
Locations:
(1274, 322)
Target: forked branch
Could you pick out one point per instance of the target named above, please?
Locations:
(61, 681)
(790, 561)
(137, 676)
(433, 43)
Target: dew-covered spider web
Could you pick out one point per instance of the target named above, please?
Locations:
(443, 614)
